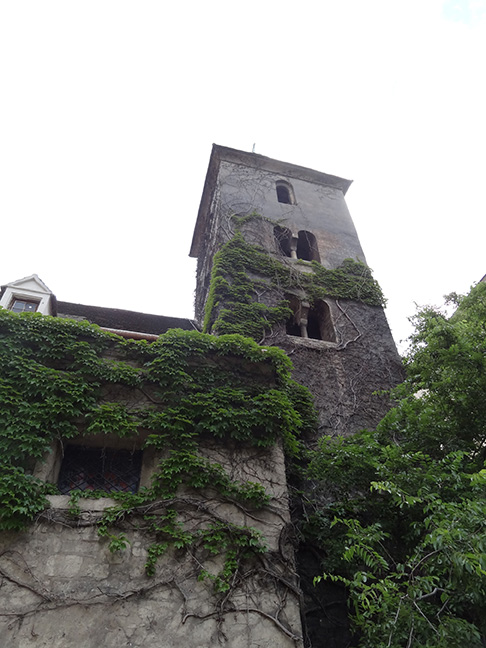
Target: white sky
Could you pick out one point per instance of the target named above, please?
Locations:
(108, 111)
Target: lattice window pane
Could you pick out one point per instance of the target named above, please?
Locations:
(24, 306)
(99, 469)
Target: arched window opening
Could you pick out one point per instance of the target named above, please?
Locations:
(283, 236)
(285, 193)
(307, 249)
(319, 323)
(313, 322)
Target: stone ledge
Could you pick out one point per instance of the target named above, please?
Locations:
(310, 343)
(62, 502)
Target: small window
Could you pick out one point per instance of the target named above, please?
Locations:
(283, 236)
(307, 249)
(24, 306)
(285, 193)
(106, 469)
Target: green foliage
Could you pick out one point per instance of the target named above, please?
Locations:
(185, 468)
(241, 272)
(232, 286)
(192, 387)
(351, 280)
(107, 417)
(236, 542)
(403, 509)
(232, 542)
(21, 497)
(253, 319)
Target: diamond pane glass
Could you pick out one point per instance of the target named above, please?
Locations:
(99, 469)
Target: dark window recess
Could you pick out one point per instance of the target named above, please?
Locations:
(283, 236)
(319, 323)
(90, 469)
(313, 325)
(285, 193)
(293, 324)
(292, 328)
(307, 249)
(314, 322)
(24, 306)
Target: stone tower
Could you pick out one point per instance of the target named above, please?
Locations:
(334, 329)
(279, 260)
(144, 471)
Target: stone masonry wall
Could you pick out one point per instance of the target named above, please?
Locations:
(348, 377)
(61, 586)
(345, 377)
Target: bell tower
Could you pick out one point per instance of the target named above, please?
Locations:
(279, 259)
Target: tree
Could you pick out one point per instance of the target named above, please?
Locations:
(401, 511)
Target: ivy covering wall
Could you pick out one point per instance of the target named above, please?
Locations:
(194, 386)
(57, 375)
(242, 271)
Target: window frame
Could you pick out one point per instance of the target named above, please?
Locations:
(48, 468)
(28, 289)
(24, 300)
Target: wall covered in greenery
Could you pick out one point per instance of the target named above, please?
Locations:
(54, 380)
(242, 271)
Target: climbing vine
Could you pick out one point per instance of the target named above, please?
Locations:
(242, 272)
(61, 379)
(55, 381)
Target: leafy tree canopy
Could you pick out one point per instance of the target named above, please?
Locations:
(401, 511)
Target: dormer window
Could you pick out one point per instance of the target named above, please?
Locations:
(24, 306)
(27, 295)
(285, 193)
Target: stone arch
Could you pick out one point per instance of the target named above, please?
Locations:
(313, 322)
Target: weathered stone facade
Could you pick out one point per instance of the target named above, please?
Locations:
(349, 372)
(61, 586)
(344, 376)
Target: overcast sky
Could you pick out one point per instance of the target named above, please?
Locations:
(109, 109)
